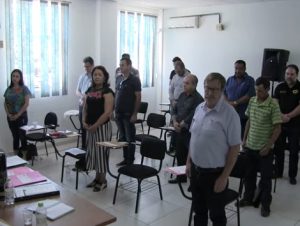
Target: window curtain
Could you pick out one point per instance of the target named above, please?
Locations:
(137, 36)
(37, 43)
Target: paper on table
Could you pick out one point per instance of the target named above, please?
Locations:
(112, 144)
(176, 170)
(55, 208)
(35, 189)
(24, 175)
(15, 160)
(75, 151)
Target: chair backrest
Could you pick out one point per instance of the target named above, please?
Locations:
(156, 120)
(51, 120)
(143, 108)
(153, 148)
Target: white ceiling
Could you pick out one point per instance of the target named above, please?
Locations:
(167, 4)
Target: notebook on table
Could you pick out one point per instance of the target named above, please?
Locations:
(55, 208)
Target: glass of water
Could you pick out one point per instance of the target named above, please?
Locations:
(27, 216)
(9, 193)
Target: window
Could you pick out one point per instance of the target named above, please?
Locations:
(137, 36)
(37, 43)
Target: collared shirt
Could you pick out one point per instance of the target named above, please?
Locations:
(289, 99)
(263, 117)
(235, 89)
(185, 107)
(213, 132)
(176, 86)
(125, 93)
(84, 82)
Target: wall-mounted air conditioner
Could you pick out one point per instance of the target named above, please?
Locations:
(183, 22)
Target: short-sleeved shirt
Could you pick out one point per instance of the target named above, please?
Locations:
(213, 132)
(176, 86)
(288, 99)
(15, 99)
(95, 103)
(125, 93)
(263, 117)
(235, 89)
(84, 82)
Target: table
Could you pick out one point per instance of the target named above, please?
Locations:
(85, 213)
(111, 145)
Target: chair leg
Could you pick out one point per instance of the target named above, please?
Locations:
(191, 215)
(116, 189)
(238, 211)
(62, 169)
(241, 187)
(275, 183)
(46, 147)
(138, 196)
(142, 127)
(77, 172)
(159, 187)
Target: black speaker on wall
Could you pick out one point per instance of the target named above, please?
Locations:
(274, 63)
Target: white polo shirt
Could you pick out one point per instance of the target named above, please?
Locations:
(213, 132)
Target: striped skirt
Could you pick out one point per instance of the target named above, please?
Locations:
(95, 155)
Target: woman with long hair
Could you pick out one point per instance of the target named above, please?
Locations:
(98, 108)
(16, 103)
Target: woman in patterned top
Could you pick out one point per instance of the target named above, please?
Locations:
(16, 104)
(98, 108)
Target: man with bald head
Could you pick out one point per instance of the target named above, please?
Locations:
(182, 115)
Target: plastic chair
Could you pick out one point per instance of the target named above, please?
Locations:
(153, 148)
(143, 110)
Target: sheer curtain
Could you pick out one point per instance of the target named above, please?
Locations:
(37, 43)
(137, 36)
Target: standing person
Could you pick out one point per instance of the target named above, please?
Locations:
(261, 131)
(127, 104)
(173, 72)
(16, 103)
(133, 70)
(98, 108)
(182, 116)
(239, 89)
(214, 147)
(176, 84)
(84, 82)
(288, 96)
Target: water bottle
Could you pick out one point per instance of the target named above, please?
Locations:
(9, 193)
(41, 215)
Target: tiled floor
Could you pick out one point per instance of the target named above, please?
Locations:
(174, 209)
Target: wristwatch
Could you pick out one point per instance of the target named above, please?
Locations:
(235, 102)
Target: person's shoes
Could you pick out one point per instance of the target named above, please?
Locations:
(245, 202)
(264, 212)
(293, 180)
(100, 186)
(122, 163)
(92, 184)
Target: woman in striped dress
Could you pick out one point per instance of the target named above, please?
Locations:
(98, 108)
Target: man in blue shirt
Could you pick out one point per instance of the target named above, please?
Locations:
(239, 89)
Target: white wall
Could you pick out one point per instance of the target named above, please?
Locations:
(82, 42)
(249, 28)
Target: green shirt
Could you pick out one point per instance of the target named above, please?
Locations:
(263, 117)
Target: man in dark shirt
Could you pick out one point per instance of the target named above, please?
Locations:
(288, 96)
(127, 103)
(239, 89)
(182, 116)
